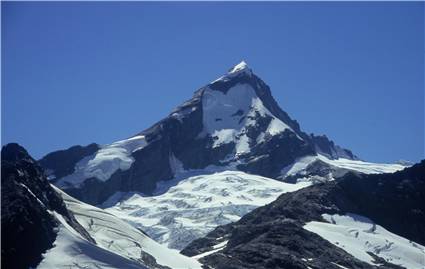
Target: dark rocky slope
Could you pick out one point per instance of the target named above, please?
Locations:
(27, 228)
(273, 236)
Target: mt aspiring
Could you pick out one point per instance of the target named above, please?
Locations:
(224, 152)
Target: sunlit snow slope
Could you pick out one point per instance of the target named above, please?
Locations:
(117, 236)
(72, 251)
(104, 162)
(300, 168)
(197, 205)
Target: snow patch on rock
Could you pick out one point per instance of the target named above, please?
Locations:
(276, 126)
(215, 249)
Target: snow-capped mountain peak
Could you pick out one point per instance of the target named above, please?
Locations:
(240, 67)
(232, 123)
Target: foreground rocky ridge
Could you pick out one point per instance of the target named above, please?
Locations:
(28, 229)
(42, 227)
(274, 236)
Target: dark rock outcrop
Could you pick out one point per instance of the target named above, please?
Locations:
(328, 148)
(27, 228)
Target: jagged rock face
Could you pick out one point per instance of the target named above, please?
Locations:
(327, 148)
(273, 236)
(231, 122)
(23, 218)
(28, 229)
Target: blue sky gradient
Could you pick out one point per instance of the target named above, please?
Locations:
(76, 73)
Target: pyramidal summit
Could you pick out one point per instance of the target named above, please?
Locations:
(233, 123)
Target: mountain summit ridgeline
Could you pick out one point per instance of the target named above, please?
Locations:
(232, 123)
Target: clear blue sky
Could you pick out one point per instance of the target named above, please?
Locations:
(76, 73)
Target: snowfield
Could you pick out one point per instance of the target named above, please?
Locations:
(114, 238)
(358, 235)
(196, 205)
(198, 202)
(104, 162)
(299, 166)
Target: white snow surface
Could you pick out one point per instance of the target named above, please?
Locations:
(71, 250)
(222, 122)
(104, 162)
(118, 237)
(276, 126)
(216, 248)
(299, 166)
(241, 67)
(196, 205)
(358, 235)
